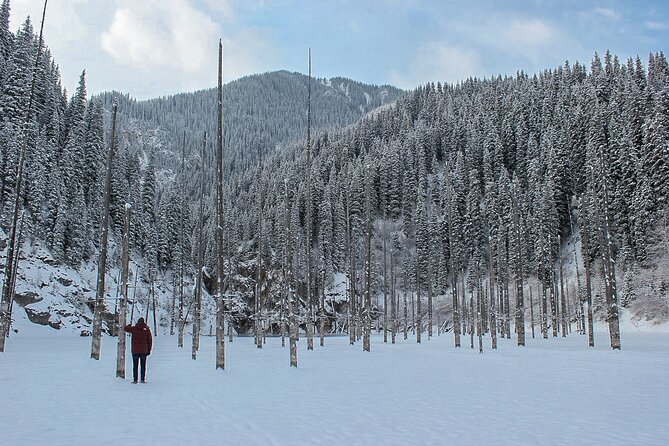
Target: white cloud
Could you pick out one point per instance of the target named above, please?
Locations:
(607, 13)
(160, 33)
(168, 46)
(437, 61)
(225, 7)
(249, 51)
(62, 18)
(523, 33)
(657, 26)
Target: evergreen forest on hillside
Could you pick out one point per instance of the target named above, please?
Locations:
(535, 197)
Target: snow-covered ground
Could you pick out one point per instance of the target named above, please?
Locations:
(550, 392)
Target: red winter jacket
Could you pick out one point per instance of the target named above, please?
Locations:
(141, 338)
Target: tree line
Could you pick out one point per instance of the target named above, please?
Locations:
(473, 190)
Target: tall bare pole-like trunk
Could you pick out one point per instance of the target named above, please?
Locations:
(588, 293)
(518, 267)
(182, 191)
(197, 320)
(227, 281)
(418, 321)
(354, 289)
(471, 318)
(102, 263)
(351, 263)
(491, 285)
(579, 299)
(153, 307)
(609, 263)
(134, 294)
(289, 278)
(220, 319)
(10, 266)
(554, 304)
(258, 288)
(454, 285)
(125, 257)
(507, 308)
(563, 298)
(15, 271)
(430, 304)
(479, 314)
(385, 283)
(173, 307)
(406, 314)
(585, 248)
(284, 275)
(393, 302)
(544, 311)
(531, 312)
(321, 310)
(366, 340)
(310, 302)
(428, 273)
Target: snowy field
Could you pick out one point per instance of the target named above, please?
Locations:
(551, 392)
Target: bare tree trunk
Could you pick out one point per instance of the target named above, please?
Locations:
(588, 293)
(531, 312)
(406, 317)
(102, 263)
(354, 294)
(153, 308)
(220, 318)
(609, 264)
(479, 314)
(200, 258)
(15, 271)
(563, 298)
(122, 310)
(471, 318)
(321, 311)
(393, 305)
(429, 306)
(173, 306)
(520, 298)
(182, 321)
(368, 263)
(257, 318)
(493, 320)
(554, 309)
(454, 286)
(284, 297)
(585, 248)
(507, 307)
(6, 303)
(579, 298)
(464, 306)
(385, 284)
(418, 321)
(288, 242)
(351, 263)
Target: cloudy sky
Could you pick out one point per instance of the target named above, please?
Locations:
(155, 47)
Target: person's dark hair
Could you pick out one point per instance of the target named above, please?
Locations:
(140, 320)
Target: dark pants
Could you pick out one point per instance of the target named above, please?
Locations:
(136, 357)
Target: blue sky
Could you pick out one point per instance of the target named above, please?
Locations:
(155, 47)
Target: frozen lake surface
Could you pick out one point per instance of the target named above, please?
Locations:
(552, 392)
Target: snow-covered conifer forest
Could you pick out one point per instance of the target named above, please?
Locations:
(495, 214)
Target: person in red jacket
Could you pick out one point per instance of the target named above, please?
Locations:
(142, 341)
